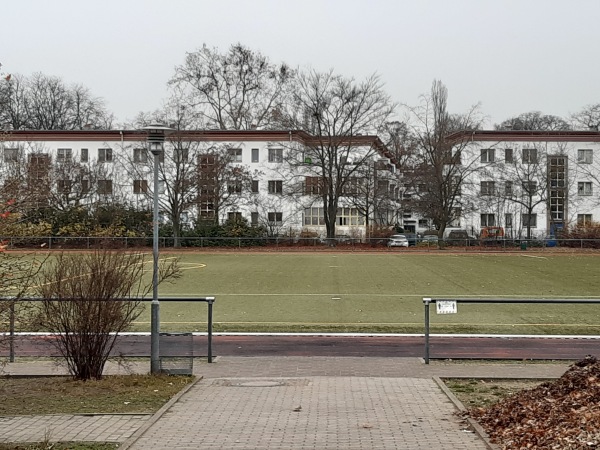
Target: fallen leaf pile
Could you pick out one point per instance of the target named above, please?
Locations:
(562, 414)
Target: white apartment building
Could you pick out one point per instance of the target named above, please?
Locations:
(277, 184)
(541, 181)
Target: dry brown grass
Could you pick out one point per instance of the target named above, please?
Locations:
(110, 395)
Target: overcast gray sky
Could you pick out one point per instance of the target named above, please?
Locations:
(511, 56)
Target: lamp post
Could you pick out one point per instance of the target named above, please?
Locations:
(155, 139)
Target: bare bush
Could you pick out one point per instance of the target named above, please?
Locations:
(90, 298)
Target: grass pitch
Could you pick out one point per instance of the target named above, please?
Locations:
(359, 292)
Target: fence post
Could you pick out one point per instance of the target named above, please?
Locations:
(426, 302)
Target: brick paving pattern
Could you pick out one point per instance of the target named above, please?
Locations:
(311, 413)
(248, 403)
(68, 427)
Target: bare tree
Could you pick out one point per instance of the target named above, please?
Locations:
(337, 111)
(71, 183)
(534, 120)
(42, 102)
(399, 138)
(238, 90)
(375, 194)
(438, 171)
(89, 299)
(588, 118)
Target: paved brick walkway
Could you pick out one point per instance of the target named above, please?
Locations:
(249, 403)
(311, 413)
(67, 427)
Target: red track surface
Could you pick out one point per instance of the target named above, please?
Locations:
(381, 346)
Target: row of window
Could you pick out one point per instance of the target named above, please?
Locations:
(344, 217)
(312, 216)
(488, 188)
(275, 155)
(66, 154)
(104, 187)
(489, 220)
(274, 218)
(530, 155)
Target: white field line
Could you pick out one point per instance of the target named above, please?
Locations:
(325, 294)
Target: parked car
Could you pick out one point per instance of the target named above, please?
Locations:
(412, 238)
(461, 237)
(397, 240)
(430, 239)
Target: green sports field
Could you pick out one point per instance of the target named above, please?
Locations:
(360, 292)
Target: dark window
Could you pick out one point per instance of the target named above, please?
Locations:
(105, 155)
(275, 187)
(140, 186)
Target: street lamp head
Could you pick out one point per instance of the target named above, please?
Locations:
(156, 136)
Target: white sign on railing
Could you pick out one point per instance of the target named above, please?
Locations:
(446, 307)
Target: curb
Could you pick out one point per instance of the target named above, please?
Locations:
(157, 415)
(460, 407)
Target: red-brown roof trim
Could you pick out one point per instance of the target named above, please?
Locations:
(193, 135)
(524, 136)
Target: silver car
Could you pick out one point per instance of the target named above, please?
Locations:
(397, 240)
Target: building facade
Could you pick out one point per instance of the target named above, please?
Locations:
(273, 179)
(531, 183)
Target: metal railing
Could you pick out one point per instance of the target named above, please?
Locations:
(428, 301)
(209, 300)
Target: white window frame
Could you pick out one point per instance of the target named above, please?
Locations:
(64, 155)
(255, 155)
(275, 155)
(313, 216)
(140, 155)
(140, 186)
(585, 188)
(585, 156)
(584, 220)
(530, 156)
(105, 155)
(487, 188)
(349, 217)
(484, 219)
(275, 187)
(275, 218)
(236, 154)
(488, 155)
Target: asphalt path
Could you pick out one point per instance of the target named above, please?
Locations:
(441, 347)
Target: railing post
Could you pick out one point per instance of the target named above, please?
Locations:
(12, 331)
(211, 300)
(426, 302)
